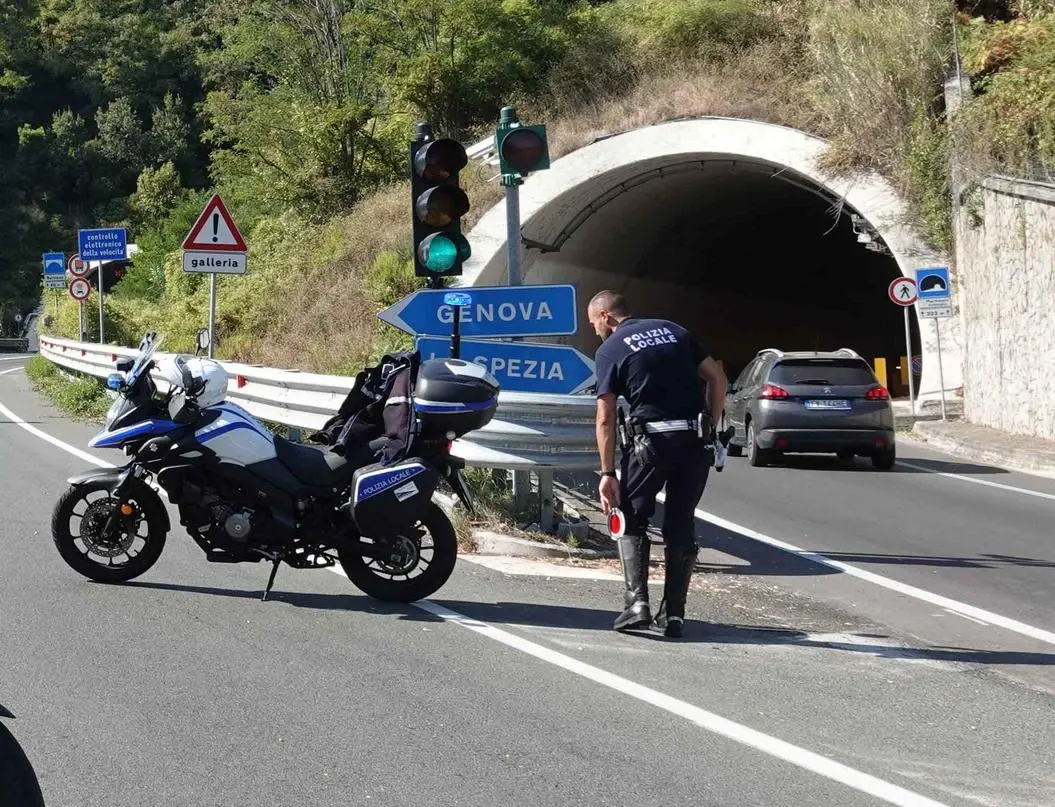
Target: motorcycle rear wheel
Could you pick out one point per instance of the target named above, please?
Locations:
(97, 561)
(380, 580)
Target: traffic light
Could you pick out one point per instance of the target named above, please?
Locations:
(522, 149)
(438, 204)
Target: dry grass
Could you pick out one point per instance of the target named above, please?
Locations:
(756, 83)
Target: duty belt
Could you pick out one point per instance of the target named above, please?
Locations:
(661, 426)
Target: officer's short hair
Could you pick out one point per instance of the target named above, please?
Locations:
(611, 301)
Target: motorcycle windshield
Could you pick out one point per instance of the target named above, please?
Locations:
(147, 348)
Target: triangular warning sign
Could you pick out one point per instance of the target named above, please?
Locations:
(214, 231)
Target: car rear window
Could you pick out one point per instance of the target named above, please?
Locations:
(841, 372)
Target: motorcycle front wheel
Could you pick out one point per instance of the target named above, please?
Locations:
(417, 566)
(77, 528)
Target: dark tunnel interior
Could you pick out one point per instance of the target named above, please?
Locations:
(746, 261)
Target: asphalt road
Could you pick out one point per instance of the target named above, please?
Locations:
(797, 684)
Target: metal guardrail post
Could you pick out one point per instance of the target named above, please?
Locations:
(545, 496)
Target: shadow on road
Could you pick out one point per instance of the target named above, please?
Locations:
(319, 602)
(823, 462)
(540, 615)
(520, 614)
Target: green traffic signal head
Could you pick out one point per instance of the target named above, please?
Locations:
(441, 252)
(440, 159)
(439, 206)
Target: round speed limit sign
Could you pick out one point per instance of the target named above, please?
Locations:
(80, 289)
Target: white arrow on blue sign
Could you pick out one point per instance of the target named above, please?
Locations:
(521, 366)
(495, 311)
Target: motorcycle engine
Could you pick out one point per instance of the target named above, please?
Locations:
(236, 521)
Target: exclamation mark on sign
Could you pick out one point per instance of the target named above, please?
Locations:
(215, 227)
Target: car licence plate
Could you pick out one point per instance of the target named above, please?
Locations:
(828, 403)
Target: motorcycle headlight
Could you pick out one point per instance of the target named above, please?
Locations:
(115, 381)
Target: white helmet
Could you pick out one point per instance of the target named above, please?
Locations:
(203, 380)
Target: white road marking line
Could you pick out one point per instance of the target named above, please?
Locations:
(737, 732)
(15, 370)
(961, 477)
(960, 608)
(84, 455)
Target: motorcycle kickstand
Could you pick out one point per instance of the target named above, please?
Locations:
(271, 579)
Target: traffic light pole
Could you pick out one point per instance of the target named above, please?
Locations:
(515, 264)
(514, 247)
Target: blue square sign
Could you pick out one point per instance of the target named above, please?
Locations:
(932, 283)
(109, 244)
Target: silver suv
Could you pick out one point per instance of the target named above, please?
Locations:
(810, 402)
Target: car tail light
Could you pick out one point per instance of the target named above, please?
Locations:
(877, 394)
(773, 391)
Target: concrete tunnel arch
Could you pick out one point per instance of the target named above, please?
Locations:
(616, 212)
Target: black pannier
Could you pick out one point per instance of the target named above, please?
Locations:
(388, 499)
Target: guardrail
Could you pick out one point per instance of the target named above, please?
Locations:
(530, 432)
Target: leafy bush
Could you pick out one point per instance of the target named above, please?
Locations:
(1009, 126)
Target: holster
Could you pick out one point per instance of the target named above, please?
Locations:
(644, 450)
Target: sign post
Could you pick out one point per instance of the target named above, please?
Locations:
(110, 244)
(902, 291)
(935, 302)
(78, 269)
(214, 246)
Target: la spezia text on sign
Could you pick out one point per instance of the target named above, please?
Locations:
(527, 369)
(521, 366)
(231, 263)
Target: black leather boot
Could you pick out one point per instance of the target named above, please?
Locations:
(680, 563)
(634, 553)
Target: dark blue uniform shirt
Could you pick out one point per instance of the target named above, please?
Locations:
(653, 364)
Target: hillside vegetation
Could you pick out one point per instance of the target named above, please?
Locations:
(115, 112)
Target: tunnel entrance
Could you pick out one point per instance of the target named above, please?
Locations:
(746, 257)
(746, 250)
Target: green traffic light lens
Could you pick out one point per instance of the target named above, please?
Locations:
(440, 252)
(522, 149)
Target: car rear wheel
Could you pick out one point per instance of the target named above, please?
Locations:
(758, 457)
(883, 460)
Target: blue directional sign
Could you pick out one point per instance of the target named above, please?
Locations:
(932, 283)
(54, 270)
(495, 311)
(102, 245)
(521, 366)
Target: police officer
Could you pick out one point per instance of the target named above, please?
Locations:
(657, 366)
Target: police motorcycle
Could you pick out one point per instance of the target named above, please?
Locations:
(363, 497)
(19, 786)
